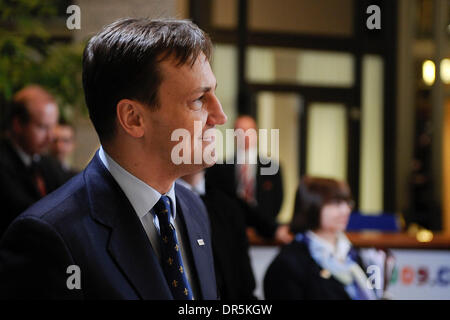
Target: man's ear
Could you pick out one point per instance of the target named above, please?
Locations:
(130, 117)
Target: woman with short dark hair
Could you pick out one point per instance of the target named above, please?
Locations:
(321, 262)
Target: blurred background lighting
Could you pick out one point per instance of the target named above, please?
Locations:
(428, 72)
(445, 70)
(424, 235)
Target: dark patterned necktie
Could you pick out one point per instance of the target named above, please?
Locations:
(172, 262)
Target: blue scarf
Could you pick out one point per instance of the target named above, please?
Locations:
(339, 262)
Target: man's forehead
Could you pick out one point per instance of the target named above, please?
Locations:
(172, 59)
(43, 106)
(200, 68)
(40, 109)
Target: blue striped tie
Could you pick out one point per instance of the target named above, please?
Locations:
(172, 262)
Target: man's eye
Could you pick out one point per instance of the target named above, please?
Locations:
(198, 103)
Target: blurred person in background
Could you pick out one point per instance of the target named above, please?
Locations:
(26, 174)
(234, 274)
(260, 196)
(63, 145)
(321, 263)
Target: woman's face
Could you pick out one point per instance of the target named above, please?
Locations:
(334, 216)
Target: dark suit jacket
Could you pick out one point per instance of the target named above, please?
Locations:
(294, 275)
(89, 222)
(269, 195)
(17, 189)
(234, 274)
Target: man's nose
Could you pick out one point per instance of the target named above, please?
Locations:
(216, 115)
(50, 135)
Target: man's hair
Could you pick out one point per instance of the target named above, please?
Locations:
(312, 195)
(21, 100)
(121, 62)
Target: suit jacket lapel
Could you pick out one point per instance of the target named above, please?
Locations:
(202, 254)
(128, 244)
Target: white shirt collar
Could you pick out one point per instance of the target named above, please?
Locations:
(141, 196)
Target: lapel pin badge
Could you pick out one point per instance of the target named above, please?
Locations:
(324, 273)
(200, 242)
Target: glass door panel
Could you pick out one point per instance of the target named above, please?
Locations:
(281, 111)
(327, 141)
(372, 149)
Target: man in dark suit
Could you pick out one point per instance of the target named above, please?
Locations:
(260, 196)
(26, 174)
(234, 274)
(121, 229)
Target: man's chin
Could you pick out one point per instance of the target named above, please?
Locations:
(209, 165)
(205, 164)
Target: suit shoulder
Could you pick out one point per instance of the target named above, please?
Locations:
(69, 198)
(296, 249)
(294, 257)
(33, 256)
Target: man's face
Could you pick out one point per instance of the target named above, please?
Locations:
(63, 142)
(35, 135)
(186, 95)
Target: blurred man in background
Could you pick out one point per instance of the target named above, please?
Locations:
(259, 195)
(63, 145)
(26, 174)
